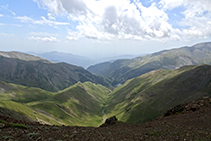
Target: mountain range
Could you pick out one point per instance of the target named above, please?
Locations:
(33, 71)
(78, 60)
(35, 89)
(69, 58)
(140, 99)
(125, 69)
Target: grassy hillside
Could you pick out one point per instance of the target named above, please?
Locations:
(80, 104)
(150, 95)
(48, 76)
(123, 70)
(138, 100)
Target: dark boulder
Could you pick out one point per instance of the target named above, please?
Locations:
(110, 121)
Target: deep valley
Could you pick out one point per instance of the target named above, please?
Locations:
(137, 91)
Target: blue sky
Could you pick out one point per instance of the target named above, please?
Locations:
(99, 28)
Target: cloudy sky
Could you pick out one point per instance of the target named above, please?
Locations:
(103, 27)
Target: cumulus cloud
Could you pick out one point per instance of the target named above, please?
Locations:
(170, 4)
(197, 17)
(130, 19)
(1, 15)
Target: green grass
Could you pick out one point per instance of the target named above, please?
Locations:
(16, 125)
(80, 104)
(25, 111)
(23, 94)
(138, 100)
(150, 95)
(2, 121)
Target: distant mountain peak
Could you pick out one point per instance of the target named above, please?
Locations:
(22, 56)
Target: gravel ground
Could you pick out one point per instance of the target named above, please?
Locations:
(193, 123)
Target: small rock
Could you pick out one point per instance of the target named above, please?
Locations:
(2, 125)
(194, 107)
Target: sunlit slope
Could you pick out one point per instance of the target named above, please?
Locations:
(22, 56)
(14, 99)
(123, 70)
(22, 94)
(140, 99)
(80, 104)
(150, 95)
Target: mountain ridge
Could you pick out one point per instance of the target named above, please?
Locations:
(67, 94)
(145, 97)
(48, 76)
(80, 104)
(122, 70)
(22, 56)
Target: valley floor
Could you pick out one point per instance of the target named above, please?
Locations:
(183, 126)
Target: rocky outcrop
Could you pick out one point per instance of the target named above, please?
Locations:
(110, 121)
(187, 107)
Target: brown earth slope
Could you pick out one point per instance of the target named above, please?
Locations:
(190, 121)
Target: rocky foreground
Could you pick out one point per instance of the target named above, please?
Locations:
(185, 122)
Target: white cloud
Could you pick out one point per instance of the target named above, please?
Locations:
(54, 6)
(126, 19)
(44, 39)
(197, 16)
(7, 9)
(73, 35)
(171, 4)
(42, 34)
(1, 15)
(50, 17)
(43, 21)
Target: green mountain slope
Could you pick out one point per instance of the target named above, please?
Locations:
(80, 104)
(145, 97)
(46, 75)
(99, 68)
(138, 100)
(123, 70)
(22, 56)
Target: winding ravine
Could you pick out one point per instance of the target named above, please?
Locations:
(104, 115)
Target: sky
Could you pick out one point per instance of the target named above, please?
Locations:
(101, 28)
